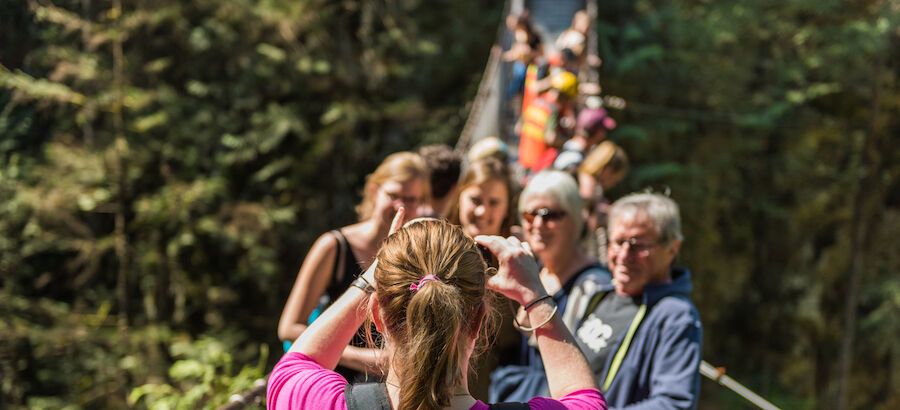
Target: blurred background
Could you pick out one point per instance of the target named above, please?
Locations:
(165, 165)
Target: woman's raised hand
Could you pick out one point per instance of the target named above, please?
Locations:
(398, 220)
(518, 275)
(369, 274)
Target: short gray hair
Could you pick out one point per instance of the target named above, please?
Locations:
(560, 186)
(660, 209)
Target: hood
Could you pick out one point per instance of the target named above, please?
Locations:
(681, 284)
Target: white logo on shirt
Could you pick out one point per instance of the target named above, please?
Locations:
(594, 333)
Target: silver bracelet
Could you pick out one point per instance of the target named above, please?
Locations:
(533, 328)
(363, 284)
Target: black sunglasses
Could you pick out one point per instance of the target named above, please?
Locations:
(547, 214)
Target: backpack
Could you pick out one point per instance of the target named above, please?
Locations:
(374, 396)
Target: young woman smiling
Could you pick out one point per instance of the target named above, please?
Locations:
(484, 205)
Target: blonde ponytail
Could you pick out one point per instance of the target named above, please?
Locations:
(429, 327)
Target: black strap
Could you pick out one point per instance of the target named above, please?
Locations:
(365, 396)
(374, 396)
(338, 273)
(509, 405)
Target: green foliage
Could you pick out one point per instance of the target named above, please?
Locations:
(202, 369)
(164, 163)
(774, 125)
(54, 357)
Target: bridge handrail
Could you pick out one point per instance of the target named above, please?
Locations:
(717, 374)
(492, 69)
(241, 400)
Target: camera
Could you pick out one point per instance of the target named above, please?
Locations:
(488, 256)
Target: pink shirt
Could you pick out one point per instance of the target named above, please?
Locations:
(298, 382)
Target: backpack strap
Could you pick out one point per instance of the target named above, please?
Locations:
(365, 396)
(339, 261)
(595, 301)
(509, 405)
(623, 346)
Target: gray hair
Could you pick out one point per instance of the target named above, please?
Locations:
(661, 210)
(561, 187)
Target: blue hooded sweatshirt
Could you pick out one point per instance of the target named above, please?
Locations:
(661, 367)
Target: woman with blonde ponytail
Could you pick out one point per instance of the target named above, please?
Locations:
(427, 295)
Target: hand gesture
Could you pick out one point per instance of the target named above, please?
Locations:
(369, 274)
(518, 275)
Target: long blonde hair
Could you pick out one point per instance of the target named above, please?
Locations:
(429, 329)
(400, 167)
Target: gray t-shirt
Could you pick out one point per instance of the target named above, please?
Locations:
(602, 330)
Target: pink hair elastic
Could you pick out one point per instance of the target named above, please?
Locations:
(422, 282)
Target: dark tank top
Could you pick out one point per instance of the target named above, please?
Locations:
(340, 281)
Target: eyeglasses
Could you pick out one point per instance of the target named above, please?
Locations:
(406, 200)
(640, 247)
(546, 214)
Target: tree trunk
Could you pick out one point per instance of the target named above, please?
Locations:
(121, 145)
(87, 128)
(866, 204)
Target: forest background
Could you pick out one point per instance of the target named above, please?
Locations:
(164, 165)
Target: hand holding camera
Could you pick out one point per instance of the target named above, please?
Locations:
(517, 274)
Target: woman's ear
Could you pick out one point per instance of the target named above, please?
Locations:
(376, 313)
(673, 249)
(479, 316)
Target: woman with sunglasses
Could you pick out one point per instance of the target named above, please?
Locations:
(553, 224)
(427, 294)
(339, 256)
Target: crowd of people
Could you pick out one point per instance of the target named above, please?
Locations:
(499, 277)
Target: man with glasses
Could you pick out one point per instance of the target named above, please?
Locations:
(642, 334)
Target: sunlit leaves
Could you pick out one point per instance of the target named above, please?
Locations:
(43, 90)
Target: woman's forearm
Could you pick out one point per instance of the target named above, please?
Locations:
(311, 282)
(325, 339)
(363, 360)
(567, 369)
(291, 332)
(518, 279)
